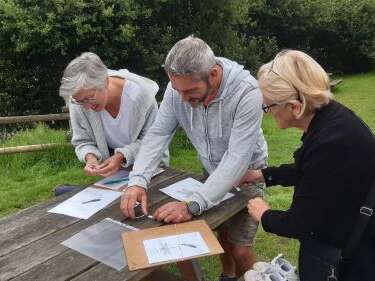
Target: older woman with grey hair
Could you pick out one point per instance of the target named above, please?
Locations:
(110, 113)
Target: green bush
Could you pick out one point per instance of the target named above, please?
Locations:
(340, 34)
(38, 39)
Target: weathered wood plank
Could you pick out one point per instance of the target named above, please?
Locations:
(221, 213)
(333, 83)
(43, 258)
(54, 270)
(35, 223)
(34, 118)
(213, 217)
(31, 148)
(31, 224)
(29, 260)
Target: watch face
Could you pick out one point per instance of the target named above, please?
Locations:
(194, 208)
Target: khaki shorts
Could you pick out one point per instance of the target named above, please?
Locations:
(242, 228)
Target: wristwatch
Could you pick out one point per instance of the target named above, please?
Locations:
(194, 208)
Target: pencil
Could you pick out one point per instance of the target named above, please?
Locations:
(116, 180)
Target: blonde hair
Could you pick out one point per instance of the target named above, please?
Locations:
(294, 75)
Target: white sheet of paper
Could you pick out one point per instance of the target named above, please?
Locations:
(175, 247)
(102, 242)
(81, 206)
(183, 189)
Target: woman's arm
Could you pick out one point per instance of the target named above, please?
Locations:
(317, 199)
(285, 175)
(82, 141)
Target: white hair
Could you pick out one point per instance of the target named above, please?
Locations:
(85, 72)
(190, 56)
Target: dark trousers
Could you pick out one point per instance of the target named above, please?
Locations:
(362, 266)
(315, 255)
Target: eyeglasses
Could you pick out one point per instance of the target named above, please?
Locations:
(84, 101)
(267, 108)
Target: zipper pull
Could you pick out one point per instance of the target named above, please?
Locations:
(332, 276)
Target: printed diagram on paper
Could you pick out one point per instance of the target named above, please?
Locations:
(175, 247)
(182, 190)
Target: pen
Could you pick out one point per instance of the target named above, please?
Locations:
(92, 200)
(188, 245)
(116, 180)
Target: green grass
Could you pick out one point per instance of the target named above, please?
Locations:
(29, 178)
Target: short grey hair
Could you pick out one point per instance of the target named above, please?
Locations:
(85, 72)
(190, 56)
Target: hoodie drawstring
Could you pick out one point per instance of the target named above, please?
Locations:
(191, 118)
(220, 125)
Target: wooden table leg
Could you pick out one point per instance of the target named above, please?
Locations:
(161, 275)
(190, 270)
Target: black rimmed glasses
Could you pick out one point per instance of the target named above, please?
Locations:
(267, 108)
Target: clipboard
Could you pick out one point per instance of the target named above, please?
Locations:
(120, 179)
(135, 251)
(114, 182)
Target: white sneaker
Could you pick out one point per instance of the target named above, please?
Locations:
(261, 265)
(281, 265)
(268, 274)
(285, 268)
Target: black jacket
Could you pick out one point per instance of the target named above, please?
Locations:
(331, 174)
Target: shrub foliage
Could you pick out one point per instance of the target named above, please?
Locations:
(39, 37)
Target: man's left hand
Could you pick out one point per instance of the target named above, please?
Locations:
(110, 165)
(173, 212)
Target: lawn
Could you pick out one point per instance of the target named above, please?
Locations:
(29, 178)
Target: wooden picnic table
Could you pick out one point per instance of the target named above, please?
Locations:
(30, 240)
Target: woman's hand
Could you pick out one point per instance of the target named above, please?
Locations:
(251, 177)
(110, 165)
(257, 207)
(91, 164)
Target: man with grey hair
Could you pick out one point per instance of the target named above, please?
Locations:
(219, 106)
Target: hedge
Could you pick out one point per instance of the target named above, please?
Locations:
(39, 37)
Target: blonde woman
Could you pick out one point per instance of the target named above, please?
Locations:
(332, 171)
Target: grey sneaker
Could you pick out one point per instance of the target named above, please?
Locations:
(266, 274)
(280, 265)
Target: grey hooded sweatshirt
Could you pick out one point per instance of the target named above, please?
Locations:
(227, 134)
